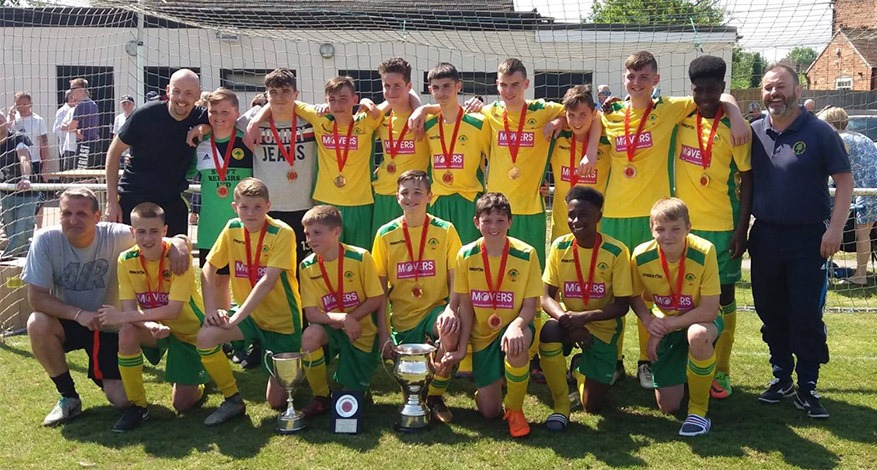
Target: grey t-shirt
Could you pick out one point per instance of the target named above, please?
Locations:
(84, 277)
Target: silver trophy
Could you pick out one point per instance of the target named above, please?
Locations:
(413, 370)
(289, 371)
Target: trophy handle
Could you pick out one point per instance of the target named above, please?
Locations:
(384, 361)
(267, 358)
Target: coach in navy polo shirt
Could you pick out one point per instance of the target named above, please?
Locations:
(795, 231)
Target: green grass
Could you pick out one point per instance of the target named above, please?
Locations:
(630, 433)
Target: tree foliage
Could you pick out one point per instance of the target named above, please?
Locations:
(658, 12)
(746, 69)
(801, 57)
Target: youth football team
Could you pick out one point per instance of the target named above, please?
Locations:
(443, 239)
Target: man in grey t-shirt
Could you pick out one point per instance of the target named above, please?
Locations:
(70, 273)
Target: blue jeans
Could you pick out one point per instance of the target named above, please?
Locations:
(18, 221)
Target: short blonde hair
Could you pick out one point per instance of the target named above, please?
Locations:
(669, 210)
(326, 215)
(835, 116)
(222, 94)
(251, 187)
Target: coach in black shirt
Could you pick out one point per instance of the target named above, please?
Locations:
(160, 155)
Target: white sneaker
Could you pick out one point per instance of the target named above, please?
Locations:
(65, 410)
(644, 374)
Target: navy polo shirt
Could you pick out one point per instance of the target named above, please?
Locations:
(791, 170)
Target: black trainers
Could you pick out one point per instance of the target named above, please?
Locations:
(132, 417)
(808, 400)
(777, 390)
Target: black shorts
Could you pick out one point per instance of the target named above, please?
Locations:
(102, 349)
(293, 219)
(202, 260)
(176, 211)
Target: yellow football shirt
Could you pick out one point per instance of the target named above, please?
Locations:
(357, 190)
(563, 170)
(701, 276)
(714, 206)
(532, 161)
(521, 280)
(634, 196)
(360, 283)
(280, 310)
(135, 284)
(393, 261)
(411, 155)
(468, 158)
(611, 278)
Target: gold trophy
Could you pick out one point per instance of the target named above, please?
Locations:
(289, 371)
(413, 370)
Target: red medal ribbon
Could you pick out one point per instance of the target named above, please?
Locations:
(339, 294)
(338, 158)
(449, 153)
(573, 163)
(488, 276)
(288, 153)
(393, 148)
(222, 169)
(586, 293)
(253, 271)
(515, 146)
(411, 249)
(631, 146)
(706, 154)
(675, 295)
(152, 296)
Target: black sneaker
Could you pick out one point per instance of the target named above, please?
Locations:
(132, 417)
(809, 402)
(777, 390)
(573, 366)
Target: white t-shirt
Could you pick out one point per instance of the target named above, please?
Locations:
(33, 127)
(117, 126)
(66, 140)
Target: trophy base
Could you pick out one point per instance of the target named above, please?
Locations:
(290, 424)
(409, 423)
(406, 430)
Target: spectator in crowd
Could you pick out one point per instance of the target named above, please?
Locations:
(31, 124)
(18, 207)
(85, 122)
(754, 113)
(863, 162)
(603, 93)
(127, 105)
(153, 96)
(255, 105)
(66, 137)
(810, 105)
(793, 154)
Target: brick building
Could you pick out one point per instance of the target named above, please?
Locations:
(849, 62)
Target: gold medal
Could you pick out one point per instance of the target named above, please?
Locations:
(417, 292)
(340, 181)
(630, 171)
(291, 175)
(514, 173)
(391, 168)
(704, 180)
(494, 321)
(448, 177)
(222, 191)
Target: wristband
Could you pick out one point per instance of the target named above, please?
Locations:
(76, 315)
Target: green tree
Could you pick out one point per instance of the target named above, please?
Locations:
(801, 58)
(757, 70)
(653, 12)
(741, 69)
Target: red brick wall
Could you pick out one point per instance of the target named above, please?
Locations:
(855, 14)
(830, 66)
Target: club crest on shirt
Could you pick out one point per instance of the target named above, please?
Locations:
(513, 275)
(799, 148)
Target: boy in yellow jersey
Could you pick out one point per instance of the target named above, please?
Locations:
(590, 273)
(639, 134)
(714, 179)
(458, 144)
(497, 277)
(260, 253)
(401, 150)
(678, 272)
(571, 146)
(415, 256)
(161, 312)
(342, 296)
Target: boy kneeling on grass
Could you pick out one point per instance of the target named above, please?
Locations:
(499, 280)
(679, 272)
(342, 294)
(260, 254)
(161, 312)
